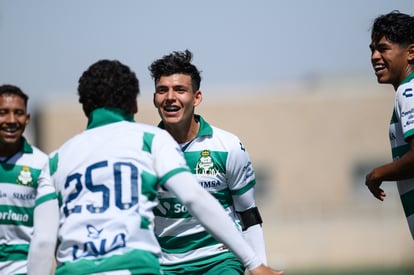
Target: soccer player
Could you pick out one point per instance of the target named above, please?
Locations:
(392, 57)
(108, 177)
(221, 165)
(28, 205)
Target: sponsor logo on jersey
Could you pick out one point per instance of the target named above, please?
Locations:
(24, 197)
(209, 184)
(205, 165)
(97, 245)
(248, 170)
(25, 176)
(10, 215)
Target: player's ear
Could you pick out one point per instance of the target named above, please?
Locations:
(135, 107)
(27, 119)
(198, 97)
(153, 101)
(410, 57)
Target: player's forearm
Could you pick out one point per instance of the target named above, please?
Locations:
(254, 236)
(400, 169)
(42, 246)
(212, 216)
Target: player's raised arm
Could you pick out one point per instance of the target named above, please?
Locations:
(213, 217)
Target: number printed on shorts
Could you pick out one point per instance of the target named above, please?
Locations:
(124, 174)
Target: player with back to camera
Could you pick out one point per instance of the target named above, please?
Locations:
(392, 57)
(108, 177)
(28, 205)
(222, 166)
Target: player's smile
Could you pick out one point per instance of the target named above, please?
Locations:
(10, 130)
(389, 61)
(13, 118)
(169, 109)
(379, 68)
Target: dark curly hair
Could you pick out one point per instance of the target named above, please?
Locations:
(108, 83)
(8, 89)
(397, 27)
(176, 63)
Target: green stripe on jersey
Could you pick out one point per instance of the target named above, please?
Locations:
(400, 150)
(244, 189)
(53, 163)
(172, 244)
(14, 215)
(147, 142)
(19, 174)
(47, 197)
(409, 133)
(214, 264)
(172, 173)
(135, 261)
(16, 252)
(394, 118)
(407, 200)
(149, 185)
(224, 197)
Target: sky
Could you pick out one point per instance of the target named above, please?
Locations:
(46, 45)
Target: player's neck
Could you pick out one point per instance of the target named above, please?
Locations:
(184, 133)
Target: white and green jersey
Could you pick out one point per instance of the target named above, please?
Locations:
(222, 167)
(24, 184)
(402, 127)
(107, 178)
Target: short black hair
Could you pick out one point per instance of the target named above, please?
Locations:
(108, 83)
(176, 62)
(395, 26)
(8, 89)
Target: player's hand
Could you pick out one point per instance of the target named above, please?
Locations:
(264, 270)
(374, 187)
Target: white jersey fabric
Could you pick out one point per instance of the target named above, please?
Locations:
(107, 178)
(222, 166)
(25, 184)
(402, 127)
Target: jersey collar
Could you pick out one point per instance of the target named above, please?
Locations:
(103, 116)
(204, 130)
(408, 78)
(26, 148)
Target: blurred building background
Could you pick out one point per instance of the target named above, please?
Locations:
(311, 146)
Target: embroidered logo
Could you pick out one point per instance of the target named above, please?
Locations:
(25, 176)
(205, 165)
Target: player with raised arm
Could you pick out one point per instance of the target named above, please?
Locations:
(221, 165)
(108, 177)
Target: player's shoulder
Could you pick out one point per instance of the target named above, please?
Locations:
(408, 84)
(149, 128)
(38, 153)
(225, 134)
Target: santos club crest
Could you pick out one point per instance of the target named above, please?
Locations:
(206, 165)
(25, 176)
